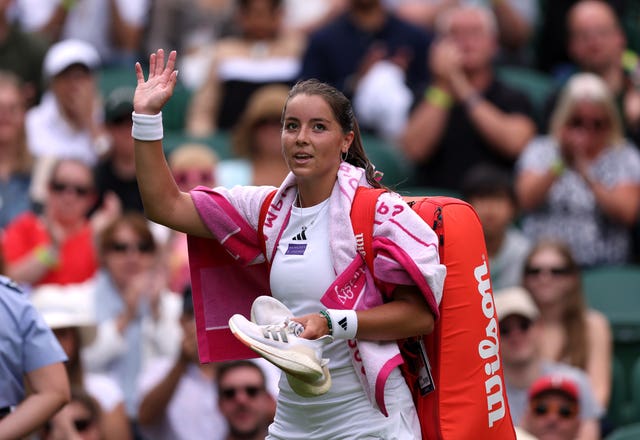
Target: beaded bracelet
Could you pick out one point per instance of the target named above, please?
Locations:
(328, 318)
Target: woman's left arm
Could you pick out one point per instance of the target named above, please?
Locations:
(406, 315)
(620, 203)
(600, 351)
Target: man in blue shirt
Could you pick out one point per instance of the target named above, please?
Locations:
(28, 349)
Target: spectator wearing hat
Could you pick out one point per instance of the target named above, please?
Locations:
(116, 171)
(68, 120)
(255, 141)
(28, 350)
(554, 404)
(520, 341)
(69, 312)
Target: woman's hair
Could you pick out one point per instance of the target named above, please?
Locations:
(55, 167)
(24, 159)
(135, 221)
(574, 323)
(588, 87)
(192, 154)
(266, 103)
(343, 112)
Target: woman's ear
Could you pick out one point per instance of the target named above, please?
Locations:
(347, 141)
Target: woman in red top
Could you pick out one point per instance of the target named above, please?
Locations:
(57, 246)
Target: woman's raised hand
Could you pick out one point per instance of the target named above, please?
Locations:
(151, 95)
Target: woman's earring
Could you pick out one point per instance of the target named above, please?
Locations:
(344, 155)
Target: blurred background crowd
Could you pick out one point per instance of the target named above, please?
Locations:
(527, 109)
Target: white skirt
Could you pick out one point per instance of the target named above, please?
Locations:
(345, 412)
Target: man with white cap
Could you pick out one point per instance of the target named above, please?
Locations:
(520, 338)
(68, 120)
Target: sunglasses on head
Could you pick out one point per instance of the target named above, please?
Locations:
(507, 327)
(591, 124)
(143, 247)
(78, 190)
(251, 391)
(563, 410)
(554, 271)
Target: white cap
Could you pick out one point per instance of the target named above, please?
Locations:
(69, 305)
(515, 301)
(68, 52)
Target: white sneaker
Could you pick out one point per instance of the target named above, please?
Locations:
(279, 344)
(266, 310)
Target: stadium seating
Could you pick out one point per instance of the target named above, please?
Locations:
(615, 291)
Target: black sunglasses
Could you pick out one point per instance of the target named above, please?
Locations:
(80, 425)
(144, 247)
(521, 324)
(251, 391)
(555, 271)
(596, 124)
(564, 411)
(78, 190)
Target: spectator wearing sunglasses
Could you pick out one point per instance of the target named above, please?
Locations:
(580, 183)
(244, 400)
(574, 334)
(192, 164)
(57, 246)
(138, 316)
(77, 420)
(521, 339)
(552, 413)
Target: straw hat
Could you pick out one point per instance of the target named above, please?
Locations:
(265, 103)
(67, 306)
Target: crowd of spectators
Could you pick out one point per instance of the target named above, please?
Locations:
(556, 195)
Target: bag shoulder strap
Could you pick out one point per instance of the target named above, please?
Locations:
(363, 211)
(261, 219)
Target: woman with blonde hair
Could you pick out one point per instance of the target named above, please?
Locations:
(573, 332)
(581, 182)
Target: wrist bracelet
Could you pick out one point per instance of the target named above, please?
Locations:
(438, 97)
(557, 167)
(328, 318)
(343, 324)
(147, 127)
(46, 256)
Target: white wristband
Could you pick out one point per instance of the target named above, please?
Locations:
(147, 127)
(344, 323)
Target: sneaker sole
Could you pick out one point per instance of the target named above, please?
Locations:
(306, 389)
(295, 363)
